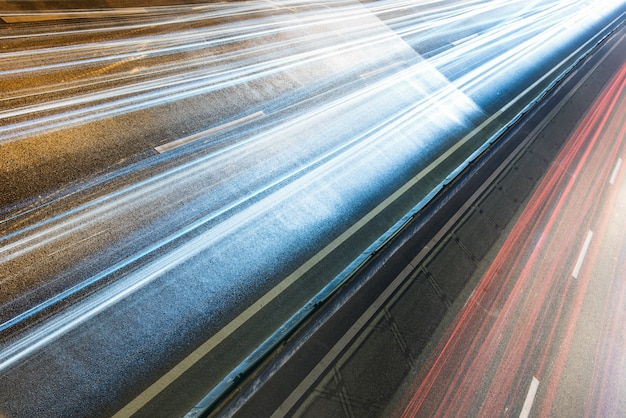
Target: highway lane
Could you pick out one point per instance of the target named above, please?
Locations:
(238, 176)
(150, 226)
(352, 359)
(545, 317)
(133, 87)
(223, 64)
(226, 186)
(125, 233)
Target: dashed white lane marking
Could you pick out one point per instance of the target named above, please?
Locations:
(581, 256)
(463, 40)
(182, 141)
(530, 398)
(383, 69)
(615, 171)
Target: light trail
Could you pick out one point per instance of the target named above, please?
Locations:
(336, 140)
(54, 328)
(142, 199)
(73, 14)
(299, 30)
(610, 126)
(241, 67)
(512, 320)
(143, 100)
(151, 17)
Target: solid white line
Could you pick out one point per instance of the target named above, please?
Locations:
(581, 256)
(615, 171)
(530, 398)
(182, 141)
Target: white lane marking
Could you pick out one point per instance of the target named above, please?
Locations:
(581, 256)
(182, 141)
(383, 69)
(462, 40)
(27, 17)
(530, 398)
(615, 171)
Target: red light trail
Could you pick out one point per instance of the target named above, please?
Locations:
(520, 321)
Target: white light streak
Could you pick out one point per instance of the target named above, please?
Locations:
(349, 108)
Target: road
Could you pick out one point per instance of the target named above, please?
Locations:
(545, 322)
(163, 195)
(417, 328)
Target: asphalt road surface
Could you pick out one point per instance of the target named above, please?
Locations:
(177, 181)
(545, 322)
(534, 331)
